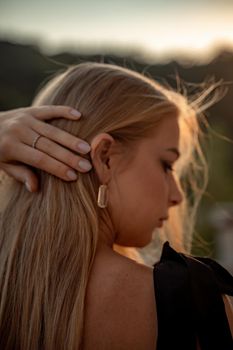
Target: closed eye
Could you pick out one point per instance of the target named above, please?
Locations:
(167, 166)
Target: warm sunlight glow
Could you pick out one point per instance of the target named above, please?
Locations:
(156, 29)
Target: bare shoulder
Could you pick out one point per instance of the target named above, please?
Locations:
(121, 308)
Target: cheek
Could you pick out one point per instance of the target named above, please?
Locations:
(152, 183)
(138, 200)
(142, 188)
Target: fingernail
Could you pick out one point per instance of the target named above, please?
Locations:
(72, 175)
(84, 147)
(85, 165)
(28, 186)
(75, 113)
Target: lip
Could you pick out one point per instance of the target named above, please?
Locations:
(160, 224)
(164, 218)
(161, 220)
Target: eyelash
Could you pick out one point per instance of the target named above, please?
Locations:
(167, 166)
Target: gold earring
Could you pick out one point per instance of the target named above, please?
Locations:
(102, 196)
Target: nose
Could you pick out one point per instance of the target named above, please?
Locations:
(176, 196)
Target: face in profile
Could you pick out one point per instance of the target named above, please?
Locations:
(143, 188)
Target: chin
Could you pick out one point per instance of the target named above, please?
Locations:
(135, 238)
(134, 243)
(143, 242)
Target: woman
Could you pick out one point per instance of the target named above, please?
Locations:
(64, 284)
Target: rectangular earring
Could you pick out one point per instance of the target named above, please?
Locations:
(102, 196)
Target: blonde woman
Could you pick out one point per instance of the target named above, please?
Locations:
(71, 273)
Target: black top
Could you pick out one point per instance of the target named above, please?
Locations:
(189, 303)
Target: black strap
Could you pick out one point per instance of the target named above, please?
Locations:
(189, 303)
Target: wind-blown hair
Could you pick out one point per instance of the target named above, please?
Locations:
(48, 239)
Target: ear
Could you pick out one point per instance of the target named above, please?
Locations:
(102, 154)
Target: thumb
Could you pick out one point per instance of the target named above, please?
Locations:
(23, 174)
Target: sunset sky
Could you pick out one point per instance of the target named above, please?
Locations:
(155, 29)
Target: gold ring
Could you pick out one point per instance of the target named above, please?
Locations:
(35, 141)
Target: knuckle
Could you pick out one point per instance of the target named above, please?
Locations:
(66, 109)
(47, 144)
(15, 127)
(73, 161)
(44, 108)
(5, 144)
(50, 108)
(60, 108)
(74, 143)
(49, 131)
(61, 171)
(32, 110)
(24, 118)
(39, 160)
(23, 113)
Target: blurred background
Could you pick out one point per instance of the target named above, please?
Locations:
(163, 39)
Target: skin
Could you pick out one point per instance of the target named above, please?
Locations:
(18, 129)
(141, 190)
(135, 179)
(140, 185)
(120, 305)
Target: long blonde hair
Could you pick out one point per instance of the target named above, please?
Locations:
(48, 239)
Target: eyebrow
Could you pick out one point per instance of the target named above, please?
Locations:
(174, 150)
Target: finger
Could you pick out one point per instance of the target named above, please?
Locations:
(49, 112)
(65, 156)
(40, 160)
(60, 136)
(23, 174)
(55, 150)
